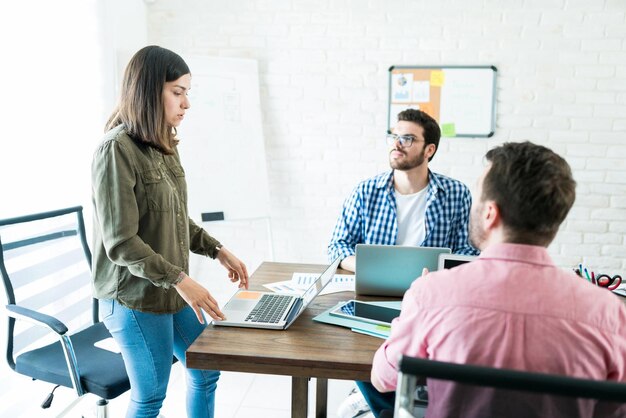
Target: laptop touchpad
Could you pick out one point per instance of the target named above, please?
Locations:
(241, 305)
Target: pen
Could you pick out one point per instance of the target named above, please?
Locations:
(587, 274)
(593, 278)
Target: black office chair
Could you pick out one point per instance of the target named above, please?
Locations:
(46, 269)
(490, 392)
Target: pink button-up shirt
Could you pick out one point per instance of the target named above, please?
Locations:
(510, 308)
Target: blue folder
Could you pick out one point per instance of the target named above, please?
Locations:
(380, 331)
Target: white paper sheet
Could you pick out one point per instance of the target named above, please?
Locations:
(301, 281)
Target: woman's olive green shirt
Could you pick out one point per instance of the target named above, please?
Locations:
(142, 232)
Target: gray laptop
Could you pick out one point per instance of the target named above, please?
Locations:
(267, 310)
(389, 270)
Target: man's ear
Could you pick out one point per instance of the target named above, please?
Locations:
(430, 151)
(491, 215)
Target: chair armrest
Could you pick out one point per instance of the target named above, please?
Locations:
(20, 312)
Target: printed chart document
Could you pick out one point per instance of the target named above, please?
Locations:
(301, 281)
(285, 288)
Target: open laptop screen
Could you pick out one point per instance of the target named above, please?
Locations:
(319, 283)
(389, 270)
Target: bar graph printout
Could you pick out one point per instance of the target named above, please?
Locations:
(301, 281)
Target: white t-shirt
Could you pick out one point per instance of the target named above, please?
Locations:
(411, 216)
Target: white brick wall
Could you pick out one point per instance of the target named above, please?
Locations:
(323, 80)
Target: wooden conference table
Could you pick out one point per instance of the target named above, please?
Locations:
(307, 349)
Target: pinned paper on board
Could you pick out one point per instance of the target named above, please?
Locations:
(421, 91)
(401, 85)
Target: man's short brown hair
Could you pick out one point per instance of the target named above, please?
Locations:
(533, 188)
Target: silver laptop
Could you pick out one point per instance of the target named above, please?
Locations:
(448, 261)
(389, 270)
(267, 310)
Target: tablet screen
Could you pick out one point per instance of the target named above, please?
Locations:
(356, 310)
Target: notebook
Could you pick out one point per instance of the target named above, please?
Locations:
(389, 270)
(266, 310)
(448, 261)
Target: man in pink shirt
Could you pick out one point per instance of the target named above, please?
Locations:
(512, 307)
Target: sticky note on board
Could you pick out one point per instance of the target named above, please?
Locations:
(437, 78)
(427, 108)
(448, 129)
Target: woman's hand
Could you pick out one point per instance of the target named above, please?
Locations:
(236, 269)
(198, 298)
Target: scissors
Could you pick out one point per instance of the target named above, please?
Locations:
(611, 283)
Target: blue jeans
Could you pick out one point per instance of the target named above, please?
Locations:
(148, 343)
(376, 400)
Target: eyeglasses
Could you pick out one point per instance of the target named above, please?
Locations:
(405, 140)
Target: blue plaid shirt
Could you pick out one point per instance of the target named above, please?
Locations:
(369, 216)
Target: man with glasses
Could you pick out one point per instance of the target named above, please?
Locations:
(409, 205)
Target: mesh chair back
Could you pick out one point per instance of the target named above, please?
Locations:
(461, 390)
(46, 266)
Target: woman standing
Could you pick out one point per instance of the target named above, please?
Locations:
(143, 235)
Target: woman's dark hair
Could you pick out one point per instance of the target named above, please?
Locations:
(432, 133)
(140, 106)
(533, 188)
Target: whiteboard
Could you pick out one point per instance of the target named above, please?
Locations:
(462, 99)
(221, 140)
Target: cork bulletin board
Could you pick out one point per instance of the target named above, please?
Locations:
(462, 99)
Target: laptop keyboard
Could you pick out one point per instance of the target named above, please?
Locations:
(269, 309)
